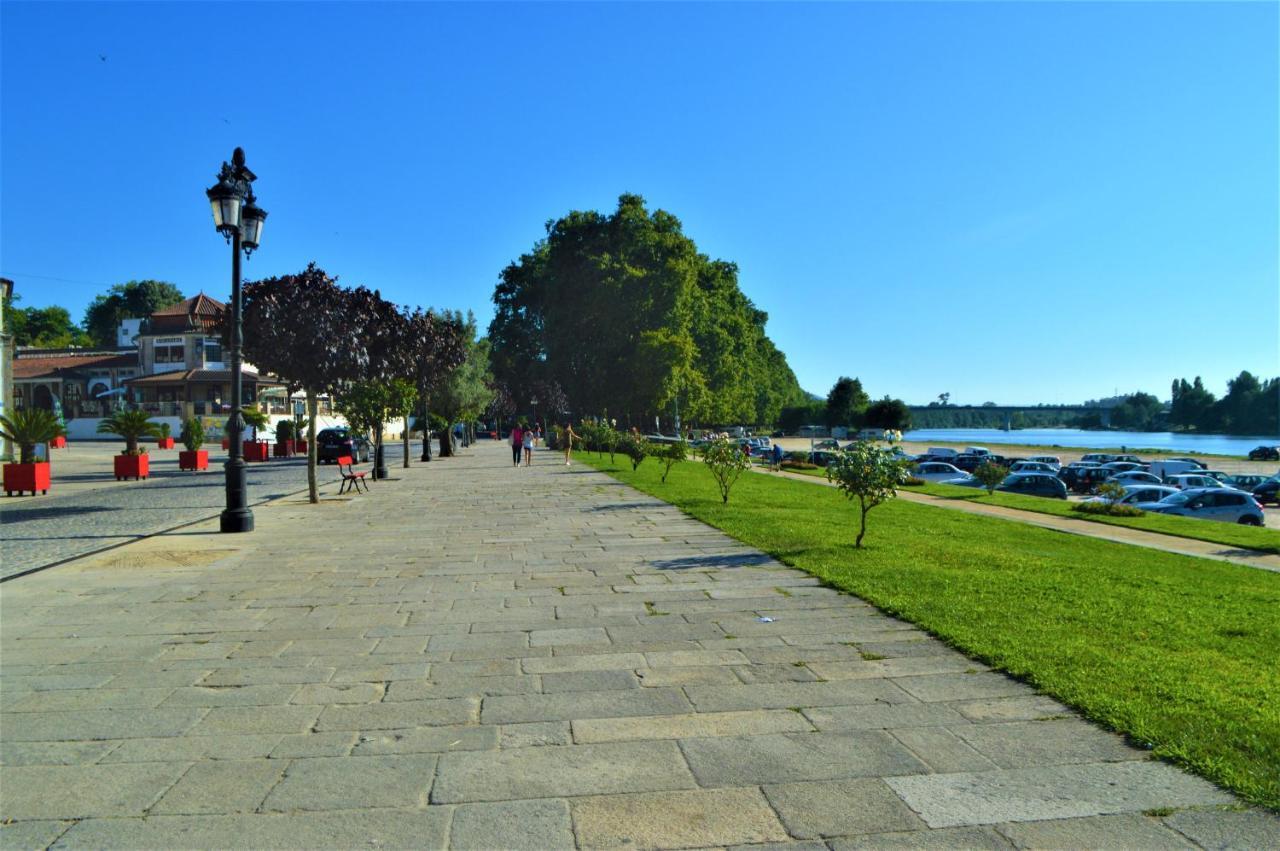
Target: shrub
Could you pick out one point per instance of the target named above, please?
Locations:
(1112, 492)
(788, 464)
(672, 454)
(1111, 509)
(284, 431)
(132, 426)
(726, 463)
(636, 448)
(868, 474)
(165, 430)
(254, 419)
(913, 481)
(192, 435)
(989, 476)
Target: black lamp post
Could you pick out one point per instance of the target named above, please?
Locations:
(239, 219)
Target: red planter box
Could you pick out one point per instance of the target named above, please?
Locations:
(226, 443)
(164, 443)
(256, 451)
(26, 477)
(132, 466)
(58, 442)
(197, 460)
(283, 449)
(300, 446)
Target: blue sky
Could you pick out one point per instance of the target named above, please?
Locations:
(1013, 202)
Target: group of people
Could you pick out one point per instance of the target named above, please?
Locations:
(524, 438)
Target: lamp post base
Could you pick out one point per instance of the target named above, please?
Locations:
(239, 520)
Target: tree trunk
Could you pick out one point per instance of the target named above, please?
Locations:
(313, 408)
(426, 429)
(446, 441)
(405, 436)
(863, 530)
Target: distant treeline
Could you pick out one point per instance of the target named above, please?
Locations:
(1251, 406)
(938, 416)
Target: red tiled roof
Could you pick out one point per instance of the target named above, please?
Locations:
(199, 376)
(199, 311)
(48, 366)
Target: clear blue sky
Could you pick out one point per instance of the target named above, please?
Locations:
(1013, 202)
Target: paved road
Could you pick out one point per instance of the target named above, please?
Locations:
(100, 512)
(477, 656)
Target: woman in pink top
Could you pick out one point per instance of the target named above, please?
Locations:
(517, 444)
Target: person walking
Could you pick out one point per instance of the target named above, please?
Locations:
(777, 457)
(517, 444)
(527, 439)
(569, 435)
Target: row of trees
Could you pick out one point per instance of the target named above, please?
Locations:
(621, 313)
(1251, 406)
(52, 327)
(847, 404)
(377, 359)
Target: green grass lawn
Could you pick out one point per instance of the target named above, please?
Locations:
(1179, 653)
(1227, 534)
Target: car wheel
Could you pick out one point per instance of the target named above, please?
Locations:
(1250, 520)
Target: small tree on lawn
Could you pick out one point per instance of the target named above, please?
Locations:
(726, 462)
(989, 476)
(868, 474)
(636, 448)
(1112, 492)
(672, 454)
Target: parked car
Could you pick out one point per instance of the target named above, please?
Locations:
(1121, 466)
(335, 443)
(829, 443)
(1052, 460)
(1098, 457)
(1244, 482)
(1135, 494)
(1268, 491)
(969, 463)
(1071, 473)
(1088, 479)
(1265, 453)
(1189, 481)
(1225, 505)
(1034, 484)
(1192, 461)
(1135, 477)
(1219, 475)
(938, 471)
(1032, 467)
(1132, 459)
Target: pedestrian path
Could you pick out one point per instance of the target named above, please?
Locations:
(479, 656)
(1087, 528)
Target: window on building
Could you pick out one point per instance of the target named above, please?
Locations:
(212, 350)
(170, 354)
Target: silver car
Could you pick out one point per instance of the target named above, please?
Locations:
(1134, 494)
(1226, 505)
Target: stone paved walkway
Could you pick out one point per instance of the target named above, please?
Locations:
(477, 656)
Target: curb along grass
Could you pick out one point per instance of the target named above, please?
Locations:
(1178, 653)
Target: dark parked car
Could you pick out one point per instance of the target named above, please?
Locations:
(334, 443)
(1034, 484)
(1268, 491)
(1088, 479)
(1265, 453)
(1196, 461)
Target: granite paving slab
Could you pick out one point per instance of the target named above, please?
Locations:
(528, 658)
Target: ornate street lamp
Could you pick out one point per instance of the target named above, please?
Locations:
(238, 218)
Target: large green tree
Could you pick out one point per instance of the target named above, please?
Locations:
(135, 299)
(624, 314)
(847, 403)
(468, 388)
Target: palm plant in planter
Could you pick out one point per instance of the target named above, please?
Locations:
(254, 419)
(194, 458)
(165, 441)
(300, 425)
(284, 439)
(132, 426)
(28, 428)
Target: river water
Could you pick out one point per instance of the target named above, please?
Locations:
(1208, 444)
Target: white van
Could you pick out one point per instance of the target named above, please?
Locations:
(1165, 469)
(977, 450)
(941, 452)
